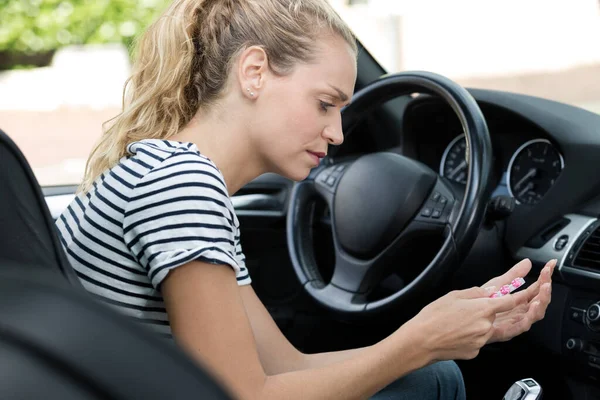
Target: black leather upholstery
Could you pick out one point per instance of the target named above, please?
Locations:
(27, 232)
(56, 342)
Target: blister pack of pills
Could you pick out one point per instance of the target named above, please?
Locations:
(506, 289)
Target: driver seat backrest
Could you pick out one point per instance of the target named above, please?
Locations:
(57, 342)
(28, 236)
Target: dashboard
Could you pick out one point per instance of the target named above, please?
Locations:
(545, 156)
(527, 162)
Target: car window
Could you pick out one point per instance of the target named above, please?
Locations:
(536, 47)
(63, 63)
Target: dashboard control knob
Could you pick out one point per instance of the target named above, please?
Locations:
(574, 344)
(592, 317)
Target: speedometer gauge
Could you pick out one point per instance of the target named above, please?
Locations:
(533, 170)
(454, 164)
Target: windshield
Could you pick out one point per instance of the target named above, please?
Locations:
(63, 64)
(537, 47)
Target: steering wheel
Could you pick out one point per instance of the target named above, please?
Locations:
(380, 201)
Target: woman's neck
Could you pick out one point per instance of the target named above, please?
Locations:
(225, 141)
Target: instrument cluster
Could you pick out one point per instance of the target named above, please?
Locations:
(531, 172)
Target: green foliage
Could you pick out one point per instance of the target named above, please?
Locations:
(37, 26)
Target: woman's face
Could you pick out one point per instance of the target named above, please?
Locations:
(298, 115)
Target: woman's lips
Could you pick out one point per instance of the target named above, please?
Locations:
(317, 156)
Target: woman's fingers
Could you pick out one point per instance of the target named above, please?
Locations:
(520, 269)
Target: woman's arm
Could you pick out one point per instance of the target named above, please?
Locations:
(276, 353)
(209, 319)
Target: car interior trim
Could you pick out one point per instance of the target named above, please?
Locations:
(573, 230)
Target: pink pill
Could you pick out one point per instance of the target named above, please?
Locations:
(506, 289)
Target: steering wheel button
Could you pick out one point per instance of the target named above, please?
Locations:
(443, 200)
(435, 197)
(436, 213)
(340, 168)
(331, 180)
(426, 212)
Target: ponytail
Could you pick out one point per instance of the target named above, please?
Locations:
(158, 99)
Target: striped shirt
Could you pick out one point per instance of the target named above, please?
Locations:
(162, 206)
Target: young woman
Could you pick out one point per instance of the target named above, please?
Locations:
(223, 91)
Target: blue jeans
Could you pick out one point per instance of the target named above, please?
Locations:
(439, 381)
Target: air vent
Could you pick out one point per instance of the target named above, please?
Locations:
(588, 255)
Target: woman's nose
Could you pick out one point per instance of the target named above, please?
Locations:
(333, 134)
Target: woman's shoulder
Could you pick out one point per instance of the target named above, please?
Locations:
(168, 158)
(161, 149)
(173, 171)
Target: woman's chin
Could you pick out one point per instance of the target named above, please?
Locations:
(297, 174)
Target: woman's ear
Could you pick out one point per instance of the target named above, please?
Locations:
(253, 66)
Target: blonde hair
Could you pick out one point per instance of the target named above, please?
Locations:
(183, 61)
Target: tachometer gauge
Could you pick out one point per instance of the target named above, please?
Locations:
(454, 165)
(532, 171)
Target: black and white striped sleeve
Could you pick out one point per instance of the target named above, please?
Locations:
(179, 212)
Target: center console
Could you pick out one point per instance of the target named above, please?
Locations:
(575, 242)
(581, 332)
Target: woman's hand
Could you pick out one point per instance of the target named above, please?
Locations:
(457, 325)
(531, 303)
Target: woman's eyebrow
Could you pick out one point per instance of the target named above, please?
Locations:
(341, 94)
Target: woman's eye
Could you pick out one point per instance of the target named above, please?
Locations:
(324, 105)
